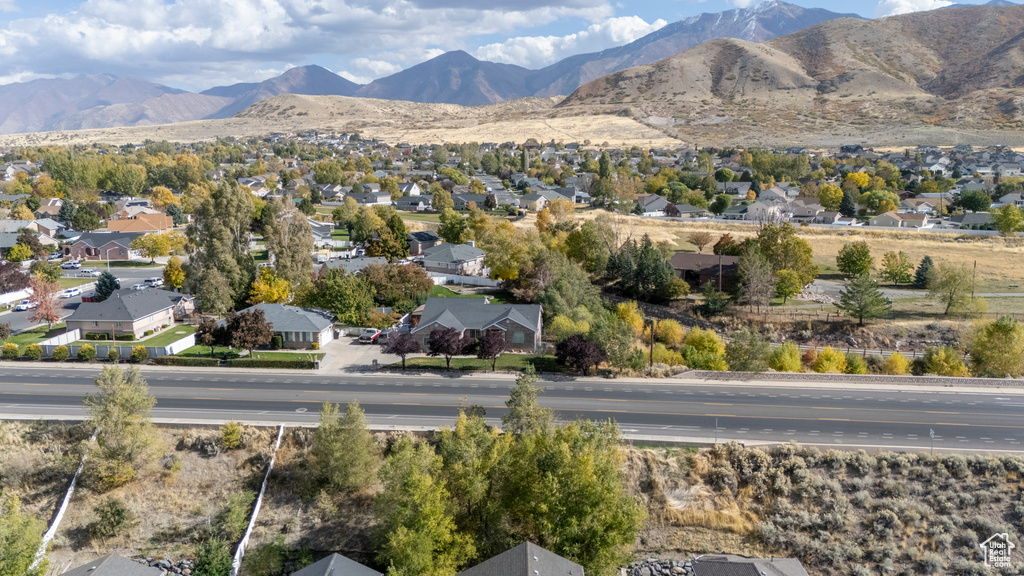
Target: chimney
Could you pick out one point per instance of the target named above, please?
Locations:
(471, 243)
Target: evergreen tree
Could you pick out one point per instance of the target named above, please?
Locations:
(862, 299)
(67, 212)
(923, 273)
(847, 207)
(604, 170)
(525, 414)
(105, 286)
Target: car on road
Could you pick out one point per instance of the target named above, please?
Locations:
(91, 273)
(71, 265)
(369, 336)
(139, 286)
(25, 305)
(56, 255)
(71, 293)
(155, 282)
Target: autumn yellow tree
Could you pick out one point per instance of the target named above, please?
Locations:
(153, 245)
(859, 179)
(174, 272)
(830, 196)
(163, 197)
(560, 210)
(269, 289)
(21, 212)
(543, 220)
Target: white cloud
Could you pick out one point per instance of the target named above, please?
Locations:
(894, 7)
(198, 43)
(539, 51)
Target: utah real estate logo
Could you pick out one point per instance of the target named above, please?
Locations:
(997, 550)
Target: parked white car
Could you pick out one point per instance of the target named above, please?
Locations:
(71, 293)
(92, 273)
(71, 265)
(139, 286)
(25, 305)
(155, 282)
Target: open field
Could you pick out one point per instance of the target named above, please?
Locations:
(998, 258)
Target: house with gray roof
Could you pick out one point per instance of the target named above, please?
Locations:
(336, 565)
(522, 324)
(114, 565)
(733, 565)
(461, 259)
(527, 559)
(103, 246)
(299, 328)
(418, 203)
(130, 312)
(420, 241)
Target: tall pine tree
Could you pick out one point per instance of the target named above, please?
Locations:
(923, 272)
(862, 299)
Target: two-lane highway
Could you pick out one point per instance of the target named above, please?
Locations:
(824, 414)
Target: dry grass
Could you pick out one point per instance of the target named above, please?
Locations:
(170, 509)
(997, 257)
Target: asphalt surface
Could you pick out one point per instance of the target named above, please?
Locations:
(19, 320)
(822, 413)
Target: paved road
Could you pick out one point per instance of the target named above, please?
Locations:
(825, 414)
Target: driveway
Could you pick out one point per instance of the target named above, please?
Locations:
(346, 353)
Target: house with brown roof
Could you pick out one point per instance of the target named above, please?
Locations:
(143, 223)
(699, 269)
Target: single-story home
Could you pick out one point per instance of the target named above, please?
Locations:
(418, 203)
(699, 269)
(129, 311)
(114, 565)
(521, 323)
(684, 211)
(730, 564)
(353, 265)
(299, 328)
(336, 565)
(888, 219)
(102, 245)
(461, 259)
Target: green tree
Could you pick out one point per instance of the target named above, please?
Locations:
(1008, 220)
(721, 203)
(747, 351)
(345, 456)
(126, 437)
(644, 272)
(997, 349)
(854, 259)
(563, 489)
(787, 284)
(785, 358)
(453, 228)
(112, 518)
(20, 536)
(105, 286)
(248, 330)
(85, 220)
(442, 200)
(51, 271)
(943, 361)
(604, 170)
(220, 268)
(848, 205)
(213, 558)
(757, 280)
(975, 200)
(345, 295)
(327, 172)
(416, 525)
(289, 240)
(896, 267)
(525, 414)
(923, 273)
(862, 299)
(950, 285)
(781, 246)
(471, 453)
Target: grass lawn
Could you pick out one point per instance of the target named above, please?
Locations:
(72, 282)
(130, 264)
(339, 234)
(172, 334)
(507, 362)
(421, 216)
(261, 255)
(36, 335)
(225, 353)
(497, 297)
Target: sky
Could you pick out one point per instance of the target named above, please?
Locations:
(198, 44)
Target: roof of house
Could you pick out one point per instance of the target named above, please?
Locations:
(527, 559)
(733, 565)
(424, 236)
(99, 238)
(126, 305)
(113, 565)
(14, 225)
(452, 253)
(476, 313)
(354, 265)
(705, 263)
(336, 565)
(294, 319)
(141, 223)
(688, 209)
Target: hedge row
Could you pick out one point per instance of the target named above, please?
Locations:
(250, 363)
(185, 361)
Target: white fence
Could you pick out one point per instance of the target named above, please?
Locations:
(123, 350)
(466, 280)
(12, 297)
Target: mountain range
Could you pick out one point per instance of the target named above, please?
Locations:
(97, 101)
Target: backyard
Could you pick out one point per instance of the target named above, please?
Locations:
(165, 338)
(225, 353)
